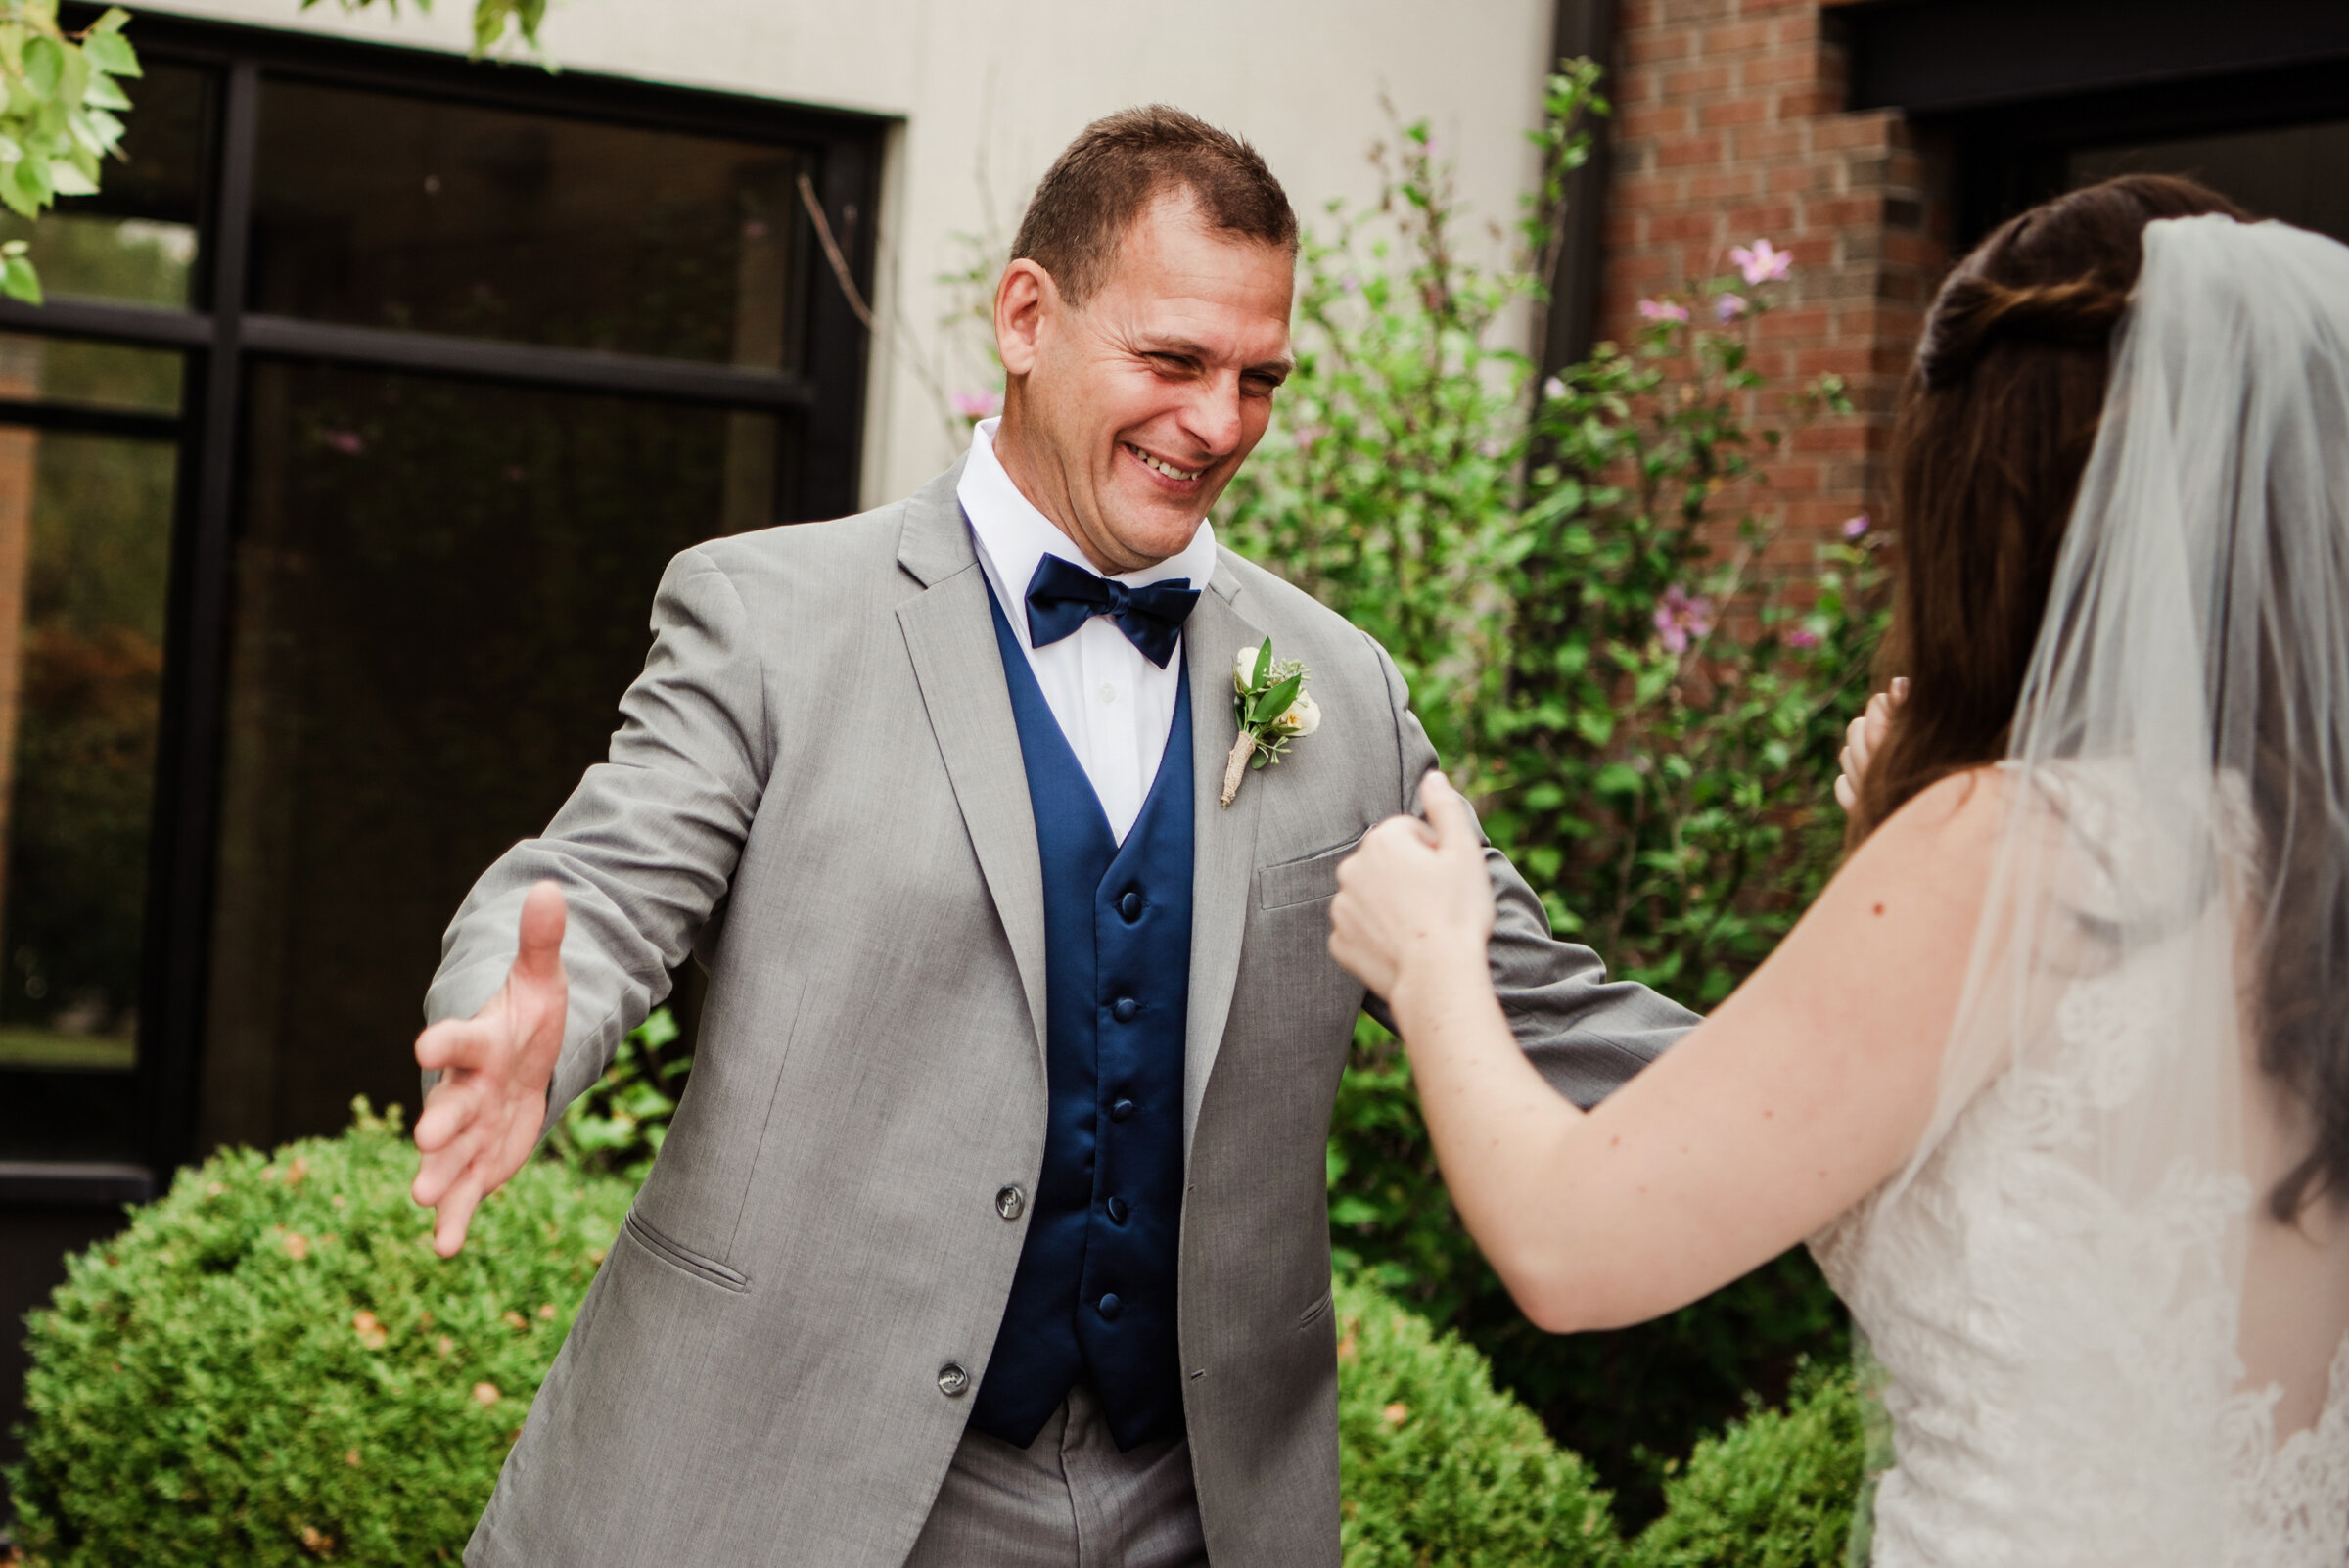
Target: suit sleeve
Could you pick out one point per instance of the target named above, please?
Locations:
(646, 847)
(1586, 1034)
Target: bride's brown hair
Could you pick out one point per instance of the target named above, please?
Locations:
(1994, 428)
(1995, 424)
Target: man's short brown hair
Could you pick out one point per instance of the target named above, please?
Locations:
(1114, 169)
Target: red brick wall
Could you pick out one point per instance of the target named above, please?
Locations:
(1731, 126)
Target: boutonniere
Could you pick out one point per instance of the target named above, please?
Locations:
(1272, 708)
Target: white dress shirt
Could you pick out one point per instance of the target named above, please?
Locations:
(1115, 707)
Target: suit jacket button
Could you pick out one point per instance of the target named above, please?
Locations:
(952, 1381)
(1110, 1308)
(1009, 1202)
(1126, 1010)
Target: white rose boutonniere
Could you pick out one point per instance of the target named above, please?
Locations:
(1272, 708)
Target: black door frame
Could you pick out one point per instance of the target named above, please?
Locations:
(221, 337)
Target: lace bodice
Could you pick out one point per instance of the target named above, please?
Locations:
(2048, 1414)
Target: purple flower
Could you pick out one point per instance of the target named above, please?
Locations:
(349, 442)
(984, 403)
(1802, 638)
(1555, 388)
(1662, 310)
(1728, 307)
(1681, 619)
(1763, 262)
(1856, 525)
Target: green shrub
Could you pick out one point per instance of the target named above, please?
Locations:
(1438, 1467)
(1775, 1490)
(271, 1366)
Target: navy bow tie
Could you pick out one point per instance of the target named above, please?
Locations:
(1063, 596)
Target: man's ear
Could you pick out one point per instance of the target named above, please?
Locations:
(1026, 298)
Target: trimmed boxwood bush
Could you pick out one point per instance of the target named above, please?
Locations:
(271, 1366)
(1775, 1490)
(1438, 1467)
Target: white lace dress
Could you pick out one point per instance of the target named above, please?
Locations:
(2054, 1414)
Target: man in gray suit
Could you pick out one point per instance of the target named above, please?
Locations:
(992, 1229)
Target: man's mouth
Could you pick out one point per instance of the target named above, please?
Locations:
(1160, 464)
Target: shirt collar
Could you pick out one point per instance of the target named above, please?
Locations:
(1013, 536)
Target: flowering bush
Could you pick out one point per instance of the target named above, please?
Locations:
(1566, 573)
(271, 1366)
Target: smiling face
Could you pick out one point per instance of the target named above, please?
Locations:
(1126, 416)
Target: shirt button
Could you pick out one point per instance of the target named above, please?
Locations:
(1131, 907)
(1126, 1009)
(1120, 1110)
(1109, 694)
(1110, 1308)
(1118, 1211)
(1009, 1201)
(953, 1382)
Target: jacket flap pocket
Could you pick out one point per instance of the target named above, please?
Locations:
(1307, 880)
(706, 1270)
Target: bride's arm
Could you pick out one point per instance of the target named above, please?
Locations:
(1802, 1092)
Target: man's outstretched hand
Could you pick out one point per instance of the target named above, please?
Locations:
(481, 1120)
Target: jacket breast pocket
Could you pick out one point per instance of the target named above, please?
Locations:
(1310, 880)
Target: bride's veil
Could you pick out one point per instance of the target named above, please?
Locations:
(2162, 970)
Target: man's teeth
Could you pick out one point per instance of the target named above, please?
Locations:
(1168, 469)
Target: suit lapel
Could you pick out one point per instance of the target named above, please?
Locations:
(951, 637)
(1224, 839)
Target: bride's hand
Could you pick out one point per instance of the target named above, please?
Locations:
(1415, 896)
(1862, 740)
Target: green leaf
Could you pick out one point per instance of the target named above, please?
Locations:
(25, 186)
(66, 179)
(113, 21)
(1267, 706)
(44, 66)
(19, 280)
(104, 93)
(1264, 666)
(113, 54)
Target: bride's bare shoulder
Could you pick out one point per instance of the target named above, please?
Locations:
(1960, 816)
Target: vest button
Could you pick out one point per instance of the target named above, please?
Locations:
(1120, 1110)
(952, 1381)
(1126, 1009)
(1118, 1211)
(1110, 1308)
(1131, 907)
(1009, 1201)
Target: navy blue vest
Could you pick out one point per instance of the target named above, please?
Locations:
(1093, 1298)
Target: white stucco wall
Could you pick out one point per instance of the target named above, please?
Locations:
(988, 91)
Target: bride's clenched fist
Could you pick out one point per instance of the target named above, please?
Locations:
(1415, 898)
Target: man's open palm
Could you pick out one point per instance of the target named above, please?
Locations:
(482, 1119)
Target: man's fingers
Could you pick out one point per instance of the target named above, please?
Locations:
(540, 956)
(448, 1110)
(455, 1213)
(456, 1044)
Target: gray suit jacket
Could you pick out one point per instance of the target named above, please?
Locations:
(816, 787)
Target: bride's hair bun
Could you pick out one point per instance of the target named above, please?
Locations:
(1975, 311)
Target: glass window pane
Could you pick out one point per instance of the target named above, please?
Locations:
(93, 374)
(2299, 174)
(403, 212)
(85, 529)
(136, 240)
(441, 591)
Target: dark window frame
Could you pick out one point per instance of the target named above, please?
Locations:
(221, 339)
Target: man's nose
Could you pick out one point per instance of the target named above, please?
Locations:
(1213, 418)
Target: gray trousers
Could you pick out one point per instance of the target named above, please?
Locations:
(1069, 1500)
